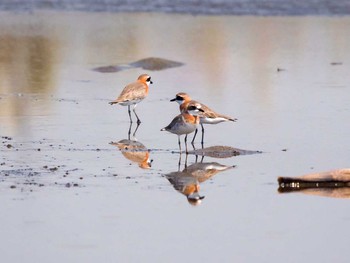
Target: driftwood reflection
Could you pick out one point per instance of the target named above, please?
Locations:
(334, 184)
(187, 182)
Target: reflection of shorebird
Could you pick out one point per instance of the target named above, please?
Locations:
(208, 116)
(188, 181)
(133, 93)
(135, 152)
(184, 123)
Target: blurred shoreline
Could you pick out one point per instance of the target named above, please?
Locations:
(205, 7)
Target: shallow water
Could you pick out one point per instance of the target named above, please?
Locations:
(69, 195)
(218, 7)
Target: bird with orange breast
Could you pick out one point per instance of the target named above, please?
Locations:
(207, 116)
(133, 93)
(185, 123)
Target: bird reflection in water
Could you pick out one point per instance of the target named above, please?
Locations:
(188, 181)
(134, 150)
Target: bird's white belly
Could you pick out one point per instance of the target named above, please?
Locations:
(184, 128)
(212, 120)
(129, 102)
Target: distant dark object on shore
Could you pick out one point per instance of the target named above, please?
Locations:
(152, 64)
(205, 7)
(338, 63)
(334, 183)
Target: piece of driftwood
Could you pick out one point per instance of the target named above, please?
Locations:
(335, 183)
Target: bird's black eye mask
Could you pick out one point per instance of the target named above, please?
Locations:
(193, 108)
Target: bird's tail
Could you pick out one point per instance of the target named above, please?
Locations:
(112, 102)
(233, 119)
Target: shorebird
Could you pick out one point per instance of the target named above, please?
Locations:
(207, 116)
(185, 123)
(133, 93)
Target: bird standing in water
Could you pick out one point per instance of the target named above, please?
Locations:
(207, 116)
(185, 123)
(133, 93)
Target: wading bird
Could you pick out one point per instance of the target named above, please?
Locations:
(133, 93)
(185, 123)
(207, 116)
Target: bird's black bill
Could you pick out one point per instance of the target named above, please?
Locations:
(177, 98)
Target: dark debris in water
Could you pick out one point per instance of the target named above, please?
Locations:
(110, 69)
(222, 152)
(152, 63)
(27, 178)
(155, 64)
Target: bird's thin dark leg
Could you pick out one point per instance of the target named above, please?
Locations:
(129, 113)
(137, 127)
(129, 132)
(186, 143)
(179, 143)
(138, 119)
(194, 137)
(186, 160)
(179, 164)
(202, 142)
(194, 150)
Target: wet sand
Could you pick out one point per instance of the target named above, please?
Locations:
(69, 195)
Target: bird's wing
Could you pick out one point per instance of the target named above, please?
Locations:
(209, 113)
(133, 91)
(177, 119)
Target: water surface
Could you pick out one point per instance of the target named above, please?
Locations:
(69, 195)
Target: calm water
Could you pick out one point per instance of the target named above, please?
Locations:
(70, 196)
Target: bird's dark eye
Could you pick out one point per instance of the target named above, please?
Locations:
(148, 79)
(192, 108)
